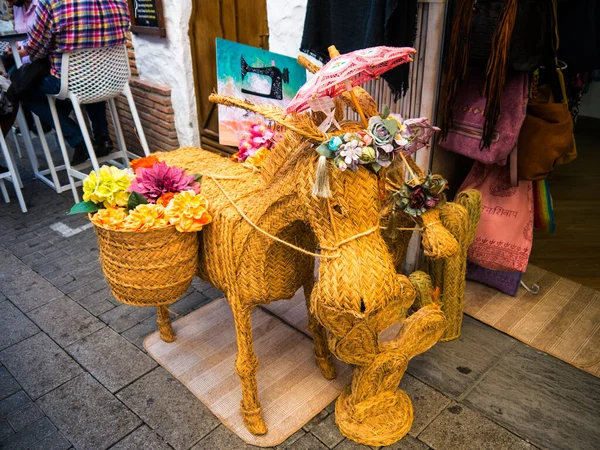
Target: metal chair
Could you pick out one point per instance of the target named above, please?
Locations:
(90, 76)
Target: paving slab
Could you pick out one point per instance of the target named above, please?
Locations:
(87, 414)
(142, 438)
(28, 436)
(36, 291)
(191, 301)
(552, 404)
(65, 321)
(293, 438)
(55, 441)
(14, 324)
(110, 358)
(327, 432)
(138, 333)
(8, 385)
(222, 438)
(464, 429)
(124, 317)
(97, 303)
(452, 367)
(39, 364)
(406, 443)
(169, 408)
(427, 402)
(316, 420)
(13, 403)
(307, 442)
(5, 429)
(22, 417)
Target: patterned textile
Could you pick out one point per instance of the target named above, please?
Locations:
(64, 25)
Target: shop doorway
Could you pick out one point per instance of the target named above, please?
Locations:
(243, 21)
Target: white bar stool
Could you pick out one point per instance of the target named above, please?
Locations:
(90, 76)
(12, 175)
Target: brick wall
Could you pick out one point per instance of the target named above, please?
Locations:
(153, 103)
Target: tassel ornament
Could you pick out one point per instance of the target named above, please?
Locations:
(321, 188)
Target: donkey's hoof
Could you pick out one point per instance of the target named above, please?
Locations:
(254, 421)
(326, 366)
(378, 421)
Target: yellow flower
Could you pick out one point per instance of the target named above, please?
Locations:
(146, 217)
(187, 211)
(108, 186)
(259, 157)
(111, 218)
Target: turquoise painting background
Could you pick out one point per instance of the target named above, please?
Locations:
(229, 69)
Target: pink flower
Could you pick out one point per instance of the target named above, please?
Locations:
(160, 179)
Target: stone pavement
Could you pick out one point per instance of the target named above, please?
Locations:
(74, 374)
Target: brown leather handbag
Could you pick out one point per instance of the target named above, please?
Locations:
(546, 138)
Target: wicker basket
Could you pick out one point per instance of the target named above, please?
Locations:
(152, 268)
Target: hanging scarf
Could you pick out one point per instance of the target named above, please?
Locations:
(352, 25)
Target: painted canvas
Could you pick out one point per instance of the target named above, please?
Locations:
(254, 74)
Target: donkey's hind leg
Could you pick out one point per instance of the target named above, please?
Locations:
(246, 365)
(322, 353)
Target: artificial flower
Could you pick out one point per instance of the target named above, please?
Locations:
(435, 184)
(165, 199)
(351, 152)
(368, 155)
(111, 218)
(160, 179)
(379, 132)
(107, 187)
(425, 194)
(143, 163)
(187, 211)
(145, 218)
(335, 143)
(259, 157)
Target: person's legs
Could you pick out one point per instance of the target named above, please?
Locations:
(97, 114)
(37, 102)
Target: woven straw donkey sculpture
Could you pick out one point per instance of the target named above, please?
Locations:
(261, 247)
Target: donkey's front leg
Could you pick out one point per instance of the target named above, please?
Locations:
(246, 365)
(322, 353)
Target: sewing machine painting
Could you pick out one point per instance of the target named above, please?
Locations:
(257, 75)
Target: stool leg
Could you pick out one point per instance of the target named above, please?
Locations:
(47, 155)
(17, 145)
(4, 191)
(118, 130)
(63, 148)
(13, 173)
(165, 329)
(17, 174)
(84, 131)
(136, 119)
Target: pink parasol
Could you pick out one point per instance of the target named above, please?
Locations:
(345, 71)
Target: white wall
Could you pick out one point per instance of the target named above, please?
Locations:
(286, 23)
(169, 61)
(590, 103)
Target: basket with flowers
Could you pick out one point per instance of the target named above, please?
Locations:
(147, 223)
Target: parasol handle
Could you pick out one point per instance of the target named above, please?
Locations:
(333, 52)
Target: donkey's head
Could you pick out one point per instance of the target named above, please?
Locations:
(356, 274)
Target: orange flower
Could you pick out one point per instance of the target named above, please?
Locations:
(143, 163)
(259, 157)
(187, 211)
(111, 218)
(165, 199)
(145, 218)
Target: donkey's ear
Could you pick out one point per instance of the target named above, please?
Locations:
(304, 62)
(299, 123)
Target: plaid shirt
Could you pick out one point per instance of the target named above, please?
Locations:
(64, 25)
